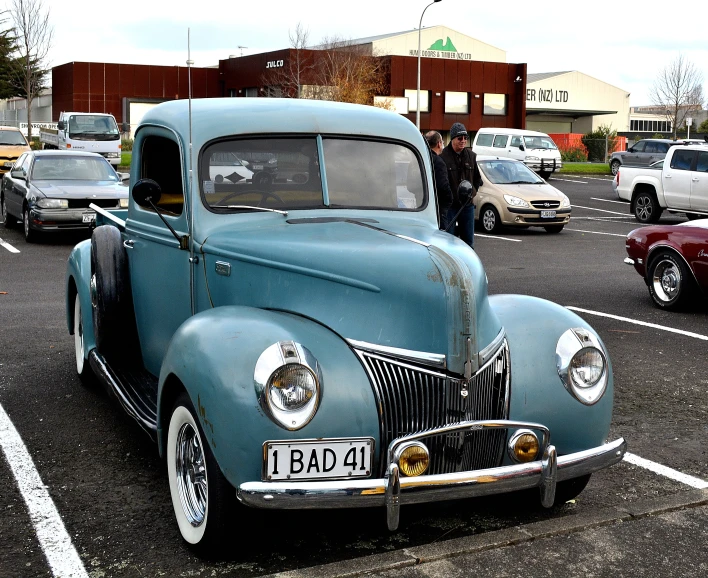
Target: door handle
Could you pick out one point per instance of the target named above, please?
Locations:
(129, 244)
(694, 179)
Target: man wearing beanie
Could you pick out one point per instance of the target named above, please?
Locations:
(461, 165)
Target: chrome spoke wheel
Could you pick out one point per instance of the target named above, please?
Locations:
(191, 474)
(666, 281)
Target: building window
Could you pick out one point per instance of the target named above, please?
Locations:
(495, 104)
(412, 96)
(457, 103)
(252, 91)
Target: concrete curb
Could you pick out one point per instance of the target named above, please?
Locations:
(374, 564)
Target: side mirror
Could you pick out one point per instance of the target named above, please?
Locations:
(147, 193)
(522, 147)
(61, 125)
(465, 192)
(17, 174)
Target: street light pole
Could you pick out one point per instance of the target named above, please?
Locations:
(417, 107)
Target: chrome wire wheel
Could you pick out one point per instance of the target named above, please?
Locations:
(191, 474)
(666, 280)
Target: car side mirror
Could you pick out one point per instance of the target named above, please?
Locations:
(17, 174)
(61, 125)
(147, 193)
(522, 147)
(465, 193)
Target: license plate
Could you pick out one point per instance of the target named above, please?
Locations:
(312, 459)
(88, 218)
(548, 214)
(257, 167)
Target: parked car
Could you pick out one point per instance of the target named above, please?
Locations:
(644, 152)
(513, 195)
(535, 149)
(673, 261)
(678, 184)
(12, 144)
(320, 343)
(50, 191)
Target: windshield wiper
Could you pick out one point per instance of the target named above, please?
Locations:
(524, 183)
(284, 213)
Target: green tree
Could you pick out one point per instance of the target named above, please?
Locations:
(600, 142)
(703, 127)
(7, 63)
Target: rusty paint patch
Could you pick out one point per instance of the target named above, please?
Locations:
(434, 276)
(205, 421)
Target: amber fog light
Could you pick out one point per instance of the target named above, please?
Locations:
(413, 459)
(524, 446)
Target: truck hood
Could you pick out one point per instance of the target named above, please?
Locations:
(382, 282)
(81, 189)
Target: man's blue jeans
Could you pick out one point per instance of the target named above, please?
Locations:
(464, 229)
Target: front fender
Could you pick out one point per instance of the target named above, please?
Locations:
(213, 355)
(78, 279)
(533, 327)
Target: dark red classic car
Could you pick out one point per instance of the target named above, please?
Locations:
(673, 260)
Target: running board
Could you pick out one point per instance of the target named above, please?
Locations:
(134, 388)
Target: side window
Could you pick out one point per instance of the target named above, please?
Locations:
(516, 141)
(484, 139)
(650, 148)
(702, 165)
(682, 160)
(639, 147)
(161, 161)
(662, 147)
(18, 162)
(25, 166)
(500, 141)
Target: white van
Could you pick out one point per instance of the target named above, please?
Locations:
(536, 149)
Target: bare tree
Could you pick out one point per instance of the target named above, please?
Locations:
(678, 90)
(287, 81)
(33, 41)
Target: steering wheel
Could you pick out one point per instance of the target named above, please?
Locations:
(264, 196)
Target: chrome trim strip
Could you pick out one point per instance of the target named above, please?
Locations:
(490, 351)
(433, 359)
(425, 489)
(109, 216)
(411, 239)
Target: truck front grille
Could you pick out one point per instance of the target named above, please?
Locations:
(414, 399)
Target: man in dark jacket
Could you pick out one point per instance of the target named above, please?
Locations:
(461, 165)
(442, 185)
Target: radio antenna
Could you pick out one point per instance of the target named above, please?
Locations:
(190, 216)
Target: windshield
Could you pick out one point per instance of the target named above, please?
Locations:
(12, 138)
(539, 142)
(93, 127)
(508, 172)
(285, 173)
(69, 168)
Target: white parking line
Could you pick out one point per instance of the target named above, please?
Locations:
(609, 201)
(596, 232)
(8, 246)
(598, 210)
(498, 237)
(568, 181)
(56, 543)
(665, 471)
(637, 322)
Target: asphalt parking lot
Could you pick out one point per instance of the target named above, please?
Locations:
(101, 474)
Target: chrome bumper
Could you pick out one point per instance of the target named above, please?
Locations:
(393, 491)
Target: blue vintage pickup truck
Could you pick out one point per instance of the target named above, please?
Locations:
(313, 340)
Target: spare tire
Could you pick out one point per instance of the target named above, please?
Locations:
(111, 299)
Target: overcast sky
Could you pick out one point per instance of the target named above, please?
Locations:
(622, 43)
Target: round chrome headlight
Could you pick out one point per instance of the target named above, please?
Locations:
(582, 365)
(288, 384)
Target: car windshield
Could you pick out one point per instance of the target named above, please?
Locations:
(12, 138)
(70, 168)
(287, 173)
(539, 142)
(93, 127)
(508, 172)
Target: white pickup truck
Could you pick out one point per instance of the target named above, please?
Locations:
(678, 184)
(87, 132)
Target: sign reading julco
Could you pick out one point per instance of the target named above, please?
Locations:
(546, 95)
(438, 49)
